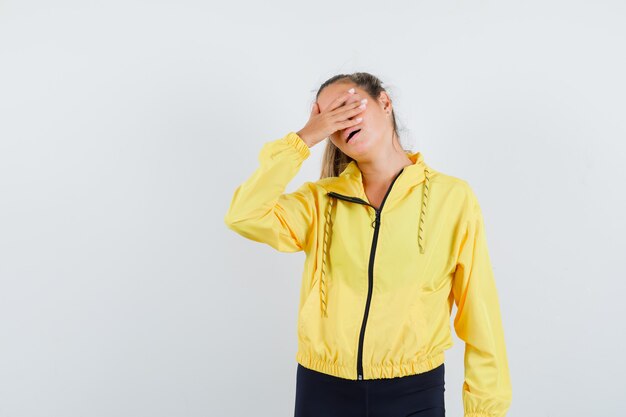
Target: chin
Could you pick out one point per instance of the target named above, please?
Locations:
(361, 146)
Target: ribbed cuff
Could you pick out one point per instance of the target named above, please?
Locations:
(296, 141)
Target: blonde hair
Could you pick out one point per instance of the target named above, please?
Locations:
(333, 160)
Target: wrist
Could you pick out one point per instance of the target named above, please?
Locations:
(304, 138)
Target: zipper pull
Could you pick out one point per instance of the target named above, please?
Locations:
(376, 219)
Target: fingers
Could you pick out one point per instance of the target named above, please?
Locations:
(343, 98)
(349, 123)
(343, 117)
(353, 108)
(348, 112)
(351, 116)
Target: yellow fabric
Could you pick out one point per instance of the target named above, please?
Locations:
(378, 286)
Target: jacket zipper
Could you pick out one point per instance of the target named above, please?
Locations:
(376, 225)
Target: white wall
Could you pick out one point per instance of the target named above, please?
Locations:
(125, 127)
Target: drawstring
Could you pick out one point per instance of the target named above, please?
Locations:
(323, 285)
(328, 227)
(420, 230)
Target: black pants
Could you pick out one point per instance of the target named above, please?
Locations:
(322, 395)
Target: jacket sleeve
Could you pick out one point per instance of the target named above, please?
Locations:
(487, 386)
(261, 211)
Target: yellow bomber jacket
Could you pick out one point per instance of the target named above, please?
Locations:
(378, 285)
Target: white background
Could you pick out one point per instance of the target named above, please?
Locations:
(125, 127)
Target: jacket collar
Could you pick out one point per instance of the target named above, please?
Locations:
(350, 180)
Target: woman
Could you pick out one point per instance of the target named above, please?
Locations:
(391, 244)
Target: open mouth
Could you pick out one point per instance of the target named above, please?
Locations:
(353, 134)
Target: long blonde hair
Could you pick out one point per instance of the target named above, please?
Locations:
(333, 160)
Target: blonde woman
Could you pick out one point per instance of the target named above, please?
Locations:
(391, 245)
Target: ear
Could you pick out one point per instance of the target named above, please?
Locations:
(384, 99)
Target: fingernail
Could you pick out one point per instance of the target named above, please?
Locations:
(351, 90)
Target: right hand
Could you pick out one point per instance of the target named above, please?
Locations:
(337, 116)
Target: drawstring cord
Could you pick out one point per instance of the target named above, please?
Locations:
(323, 285)
(420, 231)
(328, 227)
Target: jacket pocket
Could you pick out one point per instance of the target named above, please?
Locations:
(309, 308)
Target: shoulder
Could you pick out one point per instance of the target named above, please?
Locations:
(456, 192)
(317, 190)
(330, 183)
(450, 184)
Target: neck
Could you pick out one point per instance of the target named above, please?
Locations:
(383, 168)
